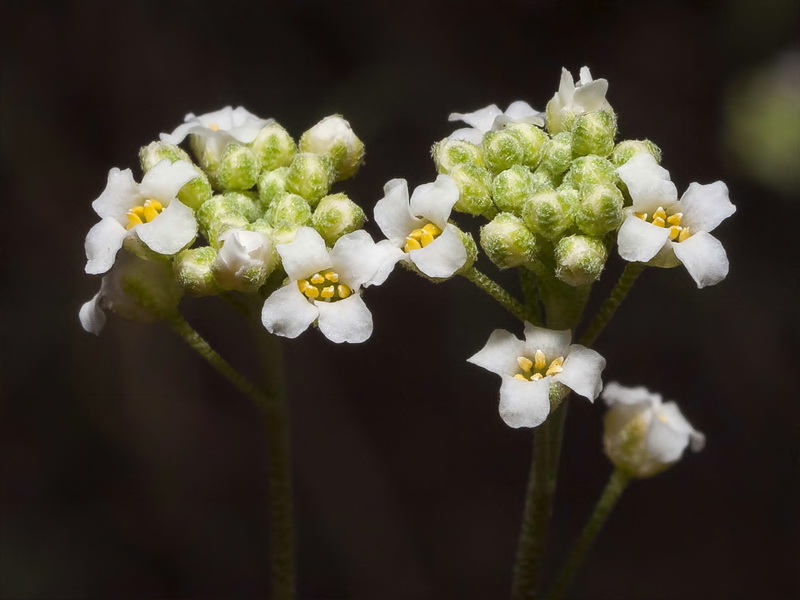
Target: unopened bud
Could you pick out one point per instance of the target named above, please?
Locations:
(507, 241)
(274, 147)
(600, 210)
(271, 184)
(155, 152)
(580, 259)
(557, 153)
(532, 139)
(335, 216)
(594, 133)
(626, 149)
(192, 269)
(548, 214)
(591, 170)
(288, 212)
(310, 176)
(238, 168)
(475, 189)
(244, 261)
(511, 188)
(501, 150)
(333, 137)
(447, 154)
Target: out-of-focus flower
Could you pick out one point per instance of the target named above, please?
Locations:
(573, 99)
(492, 118)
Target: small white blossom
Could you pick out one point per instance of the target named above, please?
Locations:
(148, 210)
(643, 435)
(418, 227)
(529, 367)
(491, 118)
(324, 286)
(663, 231)
(244, 260)
(333, 137)
(572, 99)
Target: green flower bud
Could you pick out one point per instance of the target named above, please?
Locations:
(229, 203)
(591, 170)
(140, 290)
(274, 147)
(288, 212)
(333, 137)
(155, 152)
(238, 168)
(448, 153)
(470, 246)
(501, 150)
(548, 213)
(600, 210)
(310, 176)
(335, 216)
(580, 259)
(594, 133)
(557, 153)
(271, 184)
(507, 242)
(217, 227)
(532, 139)
(192, 270)
(543, 180)
(511, 188)
(475, 189)
(625, 150)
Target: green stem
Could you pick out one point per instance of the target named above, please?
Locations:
(616, 485)
(610, 306)
(494, 289)
(273, 409)
(527, 279)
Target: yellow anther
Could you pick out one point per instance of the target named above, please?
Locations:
(155, 204)
(138, 211)
(327, 292)
(213, 127)
(316, 279)
(658, 221)
(311, 292)
(133, 220)
(659, 214)
(641, 215)
(539, 360)
(663, 418)
(674, 231)
(684, 235)
(432, 229)
(556, 366)
(416, 234)
(675, 219)
(426, 238)
(525, 363)
(520, 376)
(150, 212)
(332, 277)
(536, 376)
(343, 290)
(411, 244)
(303, 285)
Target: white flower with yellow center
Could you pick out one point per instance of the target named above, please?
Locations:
(575, 98)
(491, 118)
(148, 210)
(324, 286)
(643, 435)
(418, 226)
(663, 231)
(529, 367)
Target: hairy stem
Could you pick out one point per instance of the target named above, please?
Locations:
(497, 292)
(610, 306)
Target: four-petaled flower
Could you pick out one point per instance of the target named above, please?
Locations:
(324, 286)
(663, 231)
(642, 434)
(148, 210)
(529, 368)
(418, 230)
(572, 99)
(492, 118)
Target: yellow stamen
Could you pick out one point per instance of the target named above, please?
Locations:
(133, 220)
(316, 279)
(684, 235)
(659, 214)
(432, 229)
(412, 244)
(674, 231)
(536, 376)
(426, 238)
(343, 290)
(539, 360)
(328, 292)
(675, 219)
(416, 234)
(303, 285)
(520, 376)
(150, 212)
(311, 292)
(525, 363)
(332, 277)
(555, 366)
(213, 127)
(659, 222)
(663, 418)
(138, 211)
(642, 216)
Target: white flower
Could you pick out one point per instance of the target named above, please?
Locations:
(324, 286)
(572, 99)
(418, 227)
(215, 130)
(136, 289)
(148, 210)
(244, 259)
(528, 368)
(491, 118)
(663, 231)
(643, 435)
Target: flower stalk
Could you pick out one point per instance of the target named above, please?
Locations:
(611, 304)
(497, 292)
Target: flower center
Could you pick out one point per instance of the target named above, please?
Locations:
(419, 238)
(533, 370)
(324, 286)
(660, 219)
(144, 213)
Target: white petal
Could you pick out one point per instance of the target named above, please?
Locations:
(706, 206)
(524, 403)
(347, 320)
(482, 119)
(519, 112)
(566, 89)
(500, 353)
(121, 194)
(92, 316)
(171, 231)
(614, 393)
(552, 342)
(388, 256)
(585, 75)
(356, 258)
(668, 435)
(467, 134)
(287, 312)
(179, 133)
(442, 257)
(704, 257)
(246, 125)
(582, 373)
(591, 96)
(392, 212)
(304, 256)
(435, 201)
(165, 180)
(639, 241)
(102, 244)
(648, 183)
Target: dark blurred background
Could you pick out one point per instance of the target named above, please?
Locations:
(130, 470)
